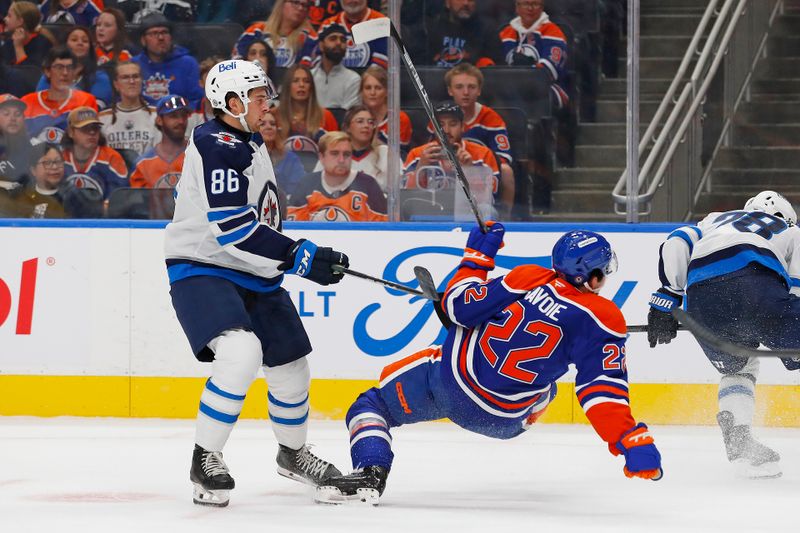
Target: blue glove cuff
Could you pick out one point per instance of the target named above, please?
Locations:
(663, 301)
(303, 258)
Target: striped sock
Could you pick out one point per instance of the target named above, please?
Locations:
(370, 441)
(289, 419)
(218, 412)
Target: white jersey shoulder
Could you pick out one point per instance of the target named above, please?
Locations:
(726, 242)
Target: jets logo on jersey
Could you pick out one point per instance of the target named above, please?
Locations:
(225, 138)
(84, 181)
(270, 212)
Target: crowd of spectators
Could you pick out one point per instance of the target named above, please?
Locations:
(119, 92)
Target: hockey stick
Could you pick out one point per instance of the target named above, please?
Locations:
(642, 328)
(384, 282)
(380, 28)
(427, 285)
(737, 350)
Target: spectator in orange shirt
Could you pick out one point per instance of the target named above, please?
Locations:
(160, 167)
(428, 166)
(46, 114)
(89, 162)
(111, 37)
(28, 43)
(300, 116)
(375, 95)
(338, 193)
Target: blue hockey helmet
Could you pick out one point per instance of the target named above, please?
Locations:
(579, 252)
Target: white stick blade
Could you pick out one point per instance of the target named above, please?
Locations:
(369, 30)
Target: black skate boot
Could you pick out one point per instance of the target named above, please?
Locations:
(751, 458)
(303, 466)
(212, 482)
(365, 485)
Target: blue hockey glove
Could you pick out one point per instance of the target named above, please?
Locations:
(661, 325)
(642, 458)
(482, 247)
(308, 260)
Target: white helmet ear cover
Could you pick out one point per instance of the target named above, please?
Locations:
(238, 77)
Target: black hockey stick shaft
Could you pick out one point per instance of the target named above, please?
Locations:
(642, 328)
(437, 129)
(428, 286)
(708, 337)
(380, 281)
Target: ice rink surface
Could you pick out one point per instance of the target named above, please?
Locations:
(109, 475)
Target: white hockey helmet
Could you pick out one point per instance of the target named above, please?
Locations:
(774, 204)
(239, 77)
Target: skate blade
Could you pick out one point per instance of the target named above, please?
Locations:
(333, 496)
(763, 471)
(212, 498)
(296, 477)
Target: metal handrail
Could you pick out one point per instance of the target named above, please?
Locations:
(648, 135)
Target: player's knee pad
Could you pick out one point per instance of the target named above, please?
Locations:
(237, 356)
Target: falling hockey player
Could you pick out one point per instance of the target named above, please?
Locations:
(495, 374)
(226, 257)
(740, 274)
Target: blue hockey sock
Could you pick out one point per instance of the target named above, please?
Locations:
(370, 440)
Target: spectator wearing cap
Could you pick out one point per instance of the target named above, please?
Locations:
(130, 124)
(286, 31)
(27, 44)
(459, 34)
(428, 167)
(15, 145)
(166, 69)
(89, 162)
(81, 12)
(46, 114)
(357, 55)
(337, 86)
(160, 167)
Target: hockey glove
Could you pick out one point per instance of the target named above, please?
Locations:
(661, 325)
(308, 260)
(482, 247)
(642, 458)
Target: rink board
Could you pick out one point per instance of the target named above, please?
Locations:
(87, 328)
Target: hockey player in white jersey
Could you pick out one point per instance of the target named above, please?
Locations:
(226, 257)
(739, 273)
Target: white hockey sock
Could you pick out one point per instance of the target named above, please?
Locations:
(737, 393)
(287, 401)
(237, 358)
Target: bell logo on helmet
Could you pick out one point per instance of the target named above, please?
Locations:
(223, 67)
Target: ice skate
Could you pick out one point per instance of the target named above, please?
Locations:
(362, 486)
(212, 482)
(751, 458)
(303, 466)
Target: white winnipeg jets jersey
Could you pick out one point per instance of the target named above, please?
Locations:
(723, 243)
(227, 218)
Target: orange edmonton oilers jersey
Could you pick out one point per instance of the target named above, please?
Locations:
(46, 119)
(106, 56)
(300, 142)
(520, 333)
(357, 55)
(481, 157)
(154, 172)
(405, 130)
(105, 171)
(488, 128)
(359, 199)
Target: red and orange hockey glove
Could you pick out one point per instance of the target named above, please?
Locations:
(642, 458)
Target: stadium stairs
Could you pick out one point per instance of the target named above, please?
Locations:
(583, 192)
(764, 152)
